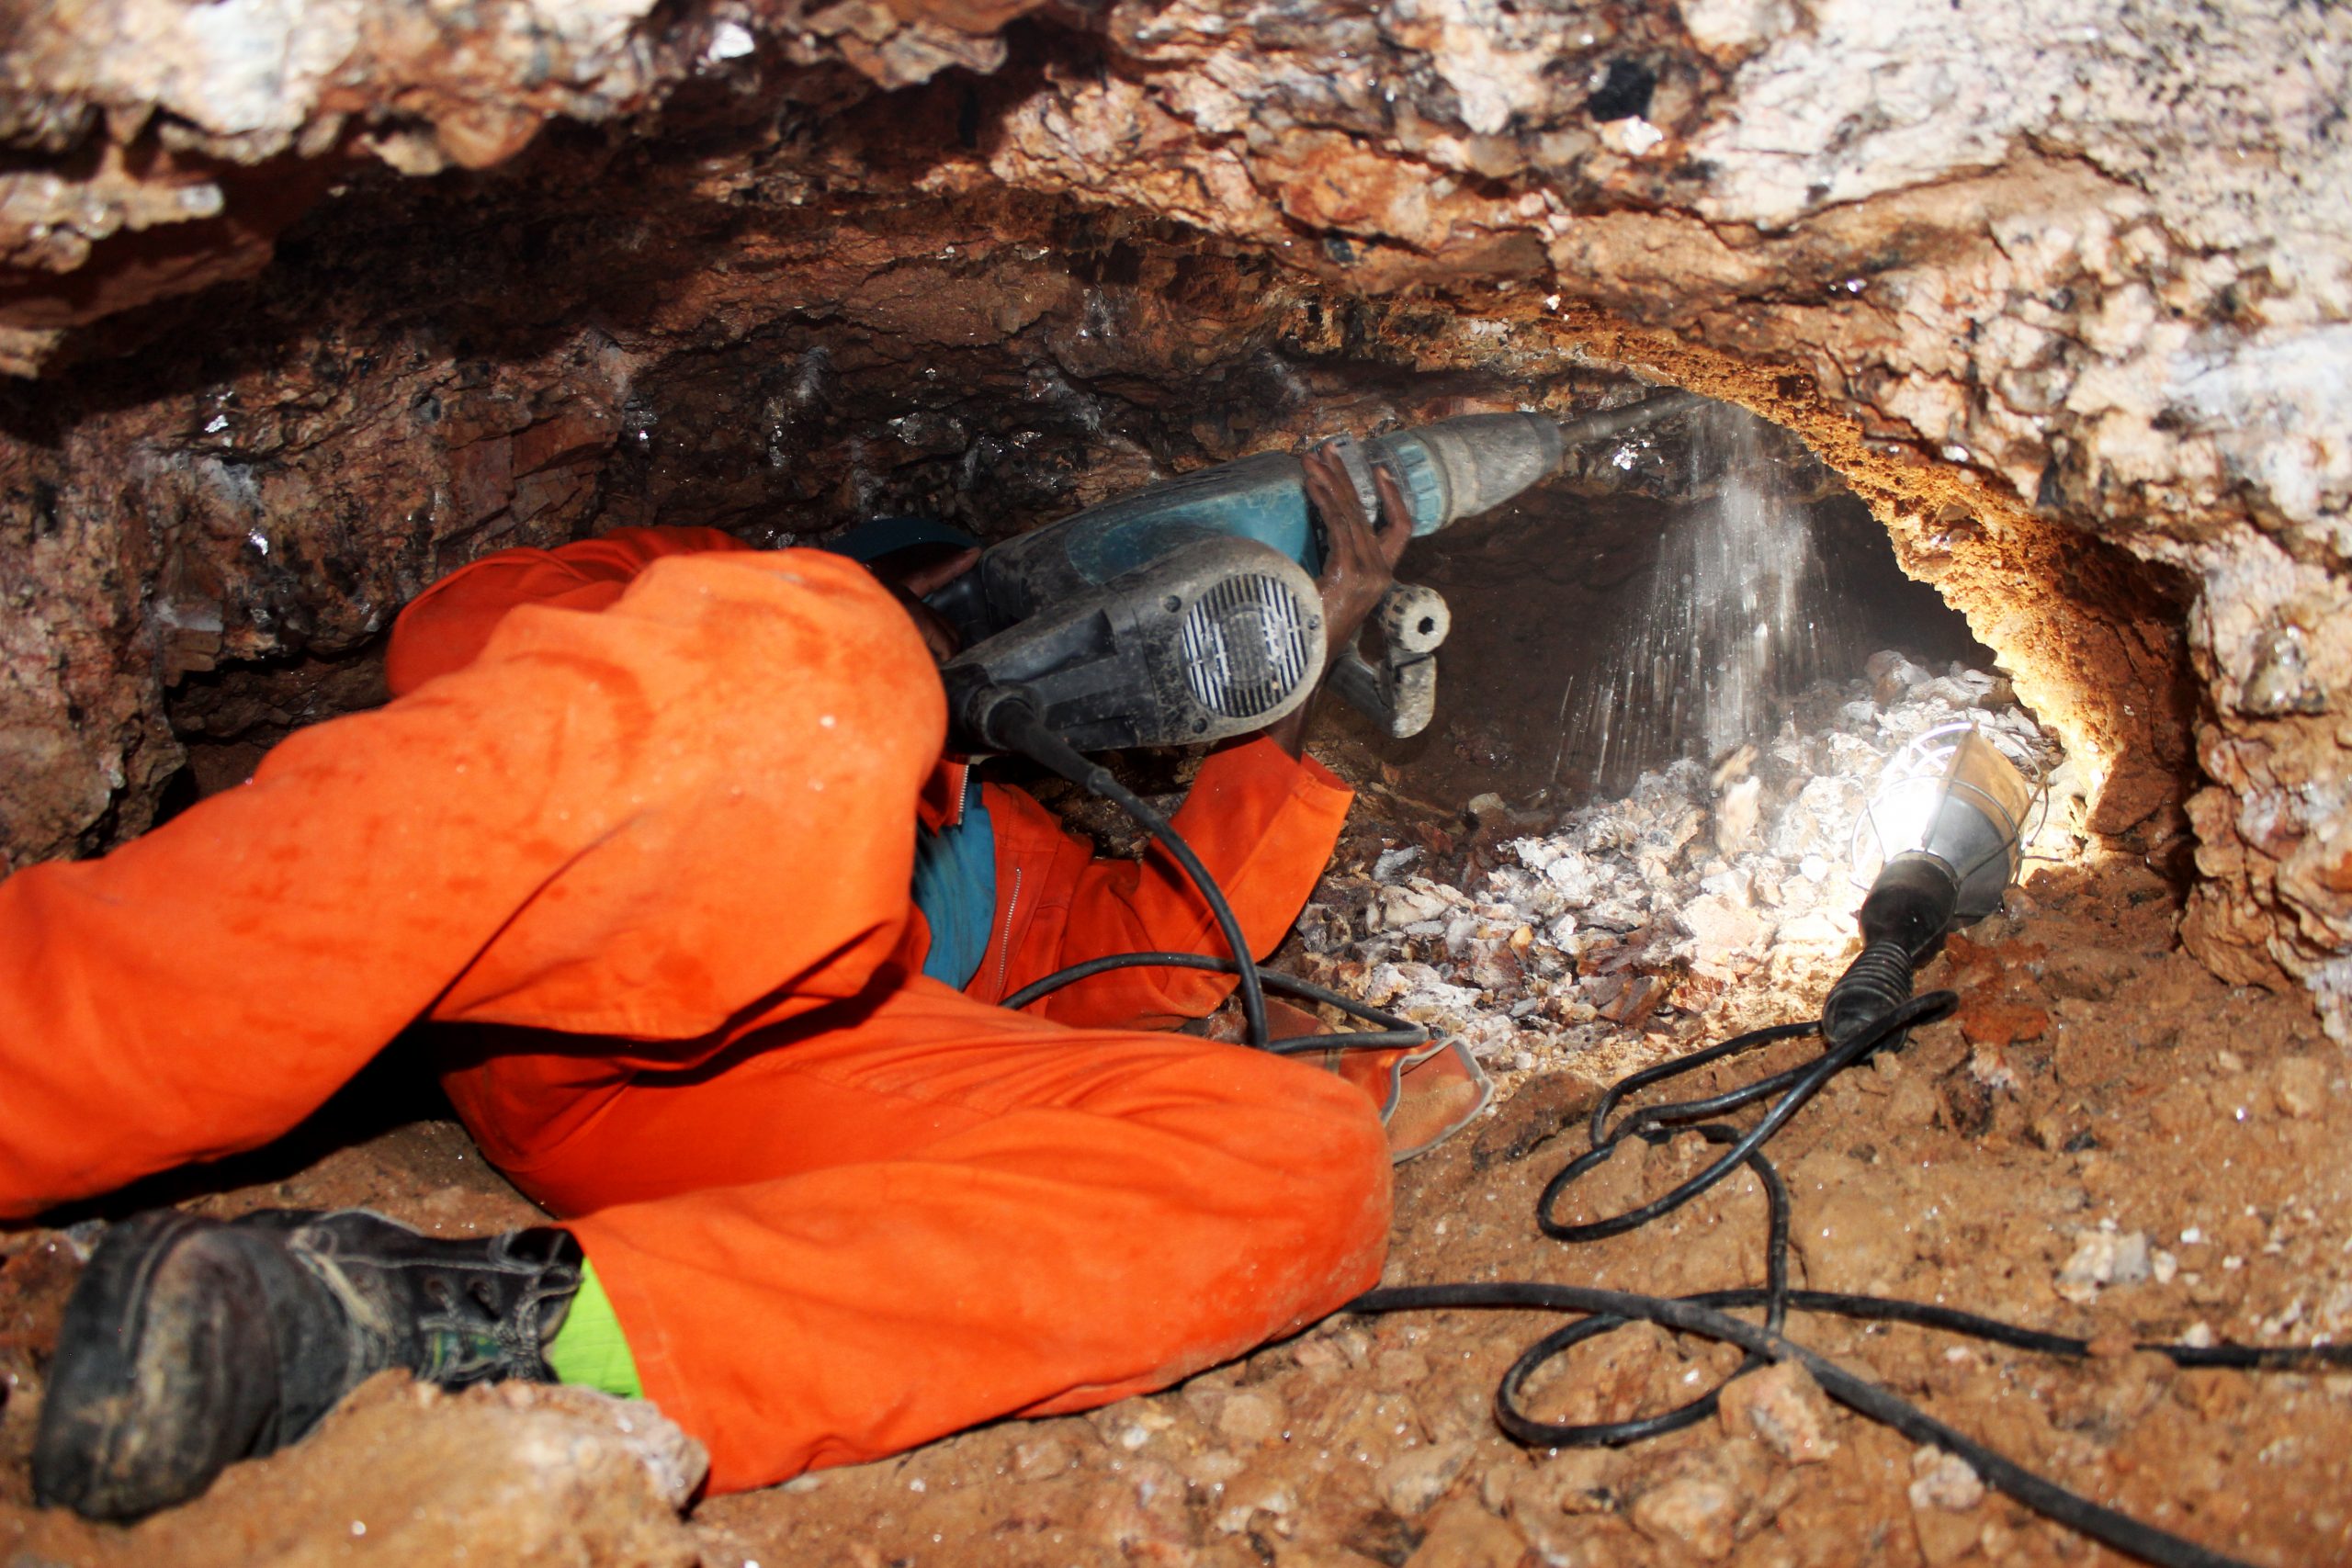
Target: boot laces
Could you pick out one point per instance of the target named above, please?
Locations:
(470, 1335)
(475, 1321)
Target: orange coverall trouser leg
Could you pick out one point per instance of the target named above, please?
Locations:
(838, 1211)
(880, 1223)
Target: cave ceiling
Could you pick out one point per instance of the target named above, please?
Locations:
(301, 304)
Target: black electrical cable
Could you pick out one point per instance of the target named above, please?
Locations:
(1394, 1032)
(1016, 723)
(1687, 1315)
(1702, 1314)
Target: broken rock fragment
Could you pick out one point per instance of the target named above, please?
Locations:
(2101, 1257)
(418, 1477)
(1626, 914)
(1416, 1479)
(1784, 1409)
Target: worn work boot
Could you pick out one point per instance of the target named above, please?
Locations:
(190, 1343)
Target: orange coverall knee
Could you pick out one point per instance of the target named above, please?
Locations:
(650, 851)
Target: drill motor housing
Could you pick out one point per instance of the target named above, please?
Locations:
(1187, 611)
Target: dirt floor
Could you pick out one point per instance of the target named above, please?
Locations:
(2101, 1107)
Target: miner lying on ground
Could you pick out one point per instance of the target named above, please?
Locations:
(636, 836)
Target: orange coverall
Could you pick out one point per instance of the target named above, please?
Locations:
(641, 840)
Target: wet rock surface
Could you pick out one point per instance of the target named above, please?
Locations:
(205, 563)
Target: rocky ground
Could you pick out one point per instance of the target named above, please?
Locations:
(2105, 1140)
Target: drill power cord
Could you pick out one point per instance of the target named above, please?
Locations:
(1014, 723)
(1705, 1315)
(1393, 1034)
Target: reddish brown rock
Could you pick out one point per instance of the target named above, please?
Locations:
(2000, 1023)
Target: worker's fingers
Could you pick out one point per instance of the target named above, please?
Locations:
(1395, 513)
(939, 574)
(1357, 560)
(1348, 532)
(939, 635)
(1365, 554)
(1330, 490)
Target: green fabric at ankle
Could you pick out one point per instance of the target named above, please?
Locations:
(590, 1349)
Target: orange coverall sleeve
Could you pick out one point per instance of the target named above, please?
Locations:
(1263, 823)
(446, 627)
(654, 824)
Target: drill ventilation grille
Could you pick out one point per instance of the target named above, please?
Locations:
(1247, 645)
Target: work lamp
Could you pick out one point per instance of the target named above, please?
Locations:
(1949, 817)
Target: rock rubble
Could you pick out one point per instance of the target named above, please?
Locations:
(1633, 913)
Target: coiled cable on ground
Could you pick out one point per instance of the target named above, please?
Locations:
(1708, 1314)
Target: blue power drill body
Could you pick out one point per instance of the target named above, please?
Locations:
(1187, 611)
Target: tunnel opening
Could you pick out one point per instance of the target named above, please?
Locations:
(1666, 597)
(780, 301)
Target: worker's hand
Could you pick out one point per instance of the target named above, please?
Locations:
(1359, 566)
(1359, 556)
(912, 579)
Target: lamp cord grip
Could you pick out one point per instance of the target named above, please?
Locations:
(1874, 985)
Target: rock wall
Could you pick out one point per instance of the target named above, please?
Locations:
(2063, 289)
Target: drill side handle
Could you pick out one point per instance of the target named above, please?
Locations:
(1399, 693)
(1400, 698)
